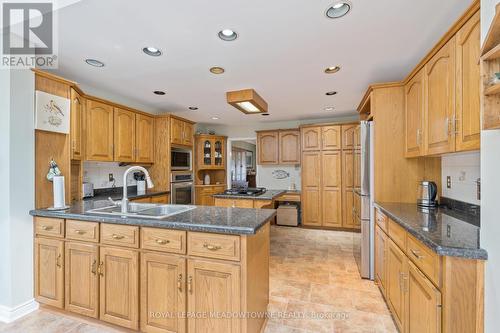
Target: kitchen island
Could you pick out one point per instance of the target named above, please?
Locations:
(204, 269)
(261, 200)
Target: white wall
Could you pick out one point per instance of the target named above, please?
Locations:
(17, 165)
(266, 179)
(490, 183)
(98, 174)
(464, 169)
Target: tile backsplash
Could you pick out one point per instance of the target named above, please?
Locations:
(98, 174)
(464, 170)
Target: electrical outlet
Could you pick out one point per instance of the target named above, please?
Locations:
(448, 181)
(111, 177)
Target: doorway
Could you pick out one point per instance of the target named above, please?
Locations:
(242, 162)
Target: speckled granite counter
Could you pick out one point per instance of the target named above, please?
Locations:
(446, 232)
(268, 195)
(117, 193)
(202, 218)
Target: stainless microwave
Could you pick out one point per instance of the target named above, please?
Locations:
(180, 159)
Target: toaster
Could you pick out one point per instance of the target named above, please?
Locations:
(87, 190)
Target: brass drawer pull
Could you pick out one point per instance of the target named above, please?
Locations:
(179, 282)
(416, 254)
(162, 241)
(100, 269)
(94, 267)
(190, 284)
(47, 227)
(80, 232)
(58, 261)
(115, 236)
(212, 247)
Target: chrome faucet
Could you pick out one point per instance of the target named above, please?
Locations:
(149, 182)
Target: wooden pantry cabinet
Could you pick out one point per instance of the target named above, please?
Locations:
(103, 271)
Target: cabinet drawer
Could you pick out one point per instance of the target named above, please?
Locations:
(381, 219)
(293, 197)
(80, 230)
(122, 235)
(214, 246)
(49, 226)
(163, 240)
(397, 233)
(424, 258)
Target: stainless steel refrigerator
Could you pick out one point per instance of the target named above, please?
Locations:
(363, 203)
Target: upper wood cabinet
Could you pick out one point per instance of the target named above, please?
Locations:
(99, 131)
(467, 118)
(311, 138)
(76, 131)
(49, 271)
(357, 137)
(210, 151)
(268, 147)
(331, 137)
(181, 132)
(124, 135)
(289, 147)
(348, 140)
(414, 114)
(144, 139)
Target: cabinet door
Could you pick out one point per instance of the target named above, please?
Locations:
(289, 147)
(311, 138)
(348, 136)
(163, 284)
(213, 287)
(423, 303)
(267, 147)
(357, 137)
(380, 258)
(119, 287)
(311, 187)
(439, 94)
(144, 141)
(99, 131)
(124, 141)
(187, 133)
(357, 169)
(414, 114)
(77, 110)
(331, 138)
(176, 131)
(396, 268)
(348, 218)
(348, 169)
(468, 117)
(331, 194)
(81, 280)
(49, 272)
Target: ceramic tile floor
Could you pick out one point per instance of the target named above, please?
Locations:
(314, 287)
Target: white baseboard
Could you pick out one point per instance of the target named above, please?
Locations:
(8, 315)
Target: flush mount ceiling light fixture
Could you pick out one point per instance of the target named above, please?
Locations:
(159, 92)
(332, 69)
(247, 101)
(330, 93)
(329, 108)
(215, 118)
(338, 9)
(227, 35)
(193, 108)
(217, 70)
(95, 63)
(152, 51)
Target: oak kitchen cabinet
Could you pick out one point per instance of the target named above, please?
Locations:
(204, 194)
(278, 147)
(181, 131)
(76, 129)
(49, 271)
(99, 131)
(311, 138)
(414, 116)
(331, 188)
(289, 147)
(124, 135)
(396, 267)
(144, 140)
(268, 147)
(348, 136)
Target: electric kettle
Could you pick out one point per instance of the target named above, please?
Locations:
(427, 192)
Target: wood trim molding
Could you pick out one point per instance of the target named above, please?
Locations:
(183, 119)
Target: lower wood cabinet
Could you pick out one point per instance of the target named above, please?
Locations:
(380, 258)
(119, 286)
(396, 266)
(204, 194)
(49, 271)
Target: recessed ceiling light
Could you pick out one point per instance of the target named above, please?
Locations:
(215, 118)
(330, 93)
(158, 92)
(265, 114)
(193, 108)
(227, 35)
(338, 9)
(217, 70)
(152, 51)
(95, 63)
(331, 70)
(329, 108)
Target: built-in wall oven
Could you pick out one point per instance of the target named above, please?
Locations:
(180, 159)
(181, 188)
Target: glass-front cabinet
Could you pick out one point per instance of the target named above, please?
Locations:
(211, 151)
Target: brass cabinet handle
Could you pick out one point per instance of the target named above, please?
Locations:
(47, 227)
(58, 261)
(115, 236)
(94, 267)
(417, 254)
(80, 232)
(179, 282)
(190, 284)
(212, 247)
(100, 269)
(162, 241)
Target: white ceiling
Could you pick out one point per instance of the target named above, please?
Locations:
(281, 52)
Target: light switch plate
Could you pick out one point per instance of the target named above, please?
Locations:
(448, 181)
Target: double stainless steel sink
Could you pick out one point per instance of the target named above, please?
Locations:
(143, 210)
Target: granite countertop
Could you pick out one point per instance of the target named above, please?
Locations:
(268, 195)
(240, 221)
(446, 232)
(116, 193)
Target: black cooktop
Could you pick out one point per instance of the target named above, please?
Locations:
(250, 191)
